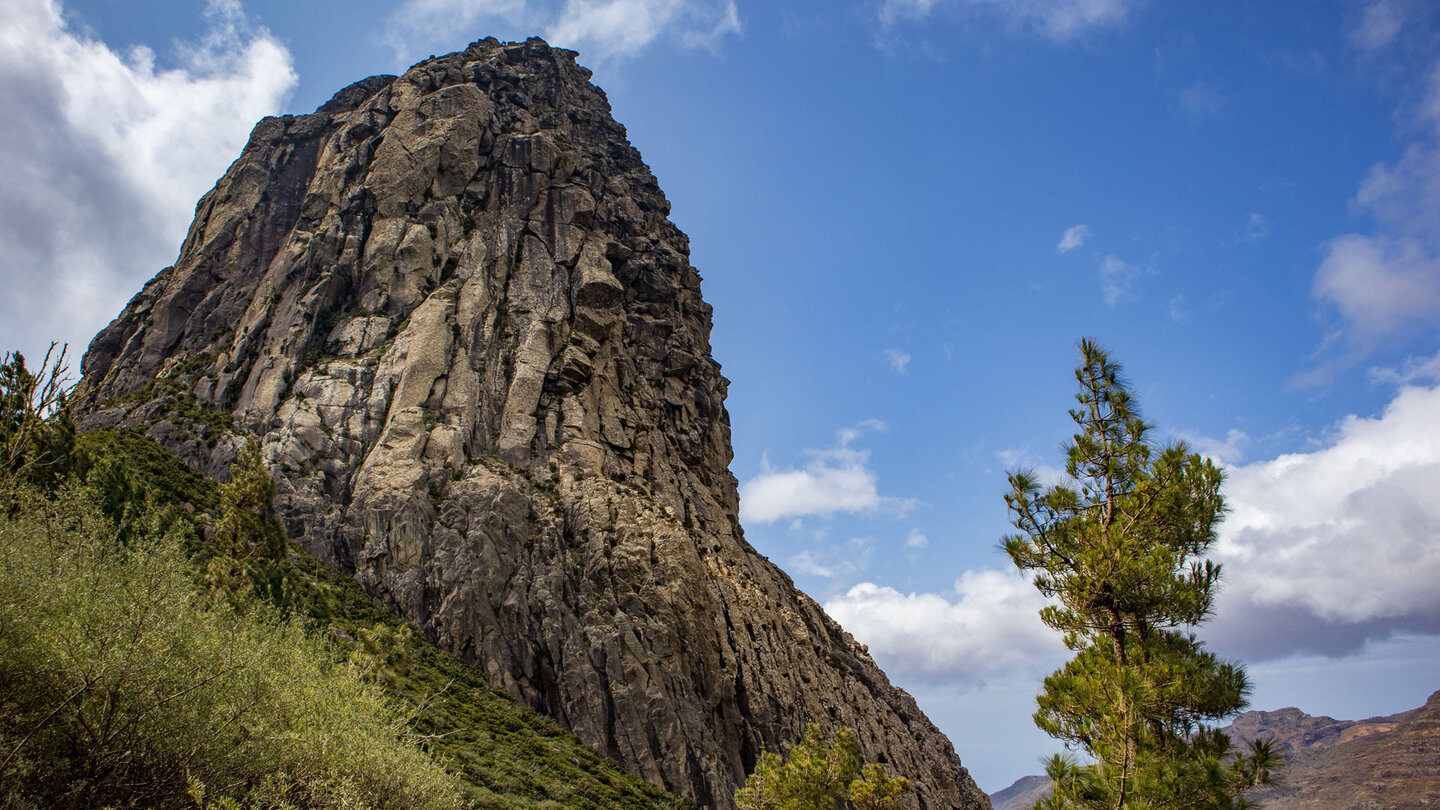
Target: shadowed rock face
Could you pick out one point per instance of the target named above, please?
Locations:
(452, 309)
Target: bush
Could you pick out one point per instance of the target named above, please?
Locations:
(121, 684)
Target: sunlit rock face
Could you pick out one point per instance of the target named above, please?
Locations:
(451, 308)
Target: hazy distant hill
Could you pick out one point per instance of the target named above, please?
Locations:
(1383, 762)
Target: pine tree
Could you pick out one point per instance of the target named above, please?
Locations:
(1121, 551)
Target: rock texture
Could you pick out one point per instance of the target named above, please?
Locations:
(452, 309)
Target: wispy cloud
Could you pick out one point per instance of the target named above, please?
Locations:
(899, 361)
(1176, 309)
(1414, 371)
(1256, 227)
(1228, 451)
(834, 562)
(916, 539)
(836, 479)
(601, 30)
(1201, 100)
(1073, 237)
(1059, 20)
(1117, 279)
(105, 155)
(1379, 25)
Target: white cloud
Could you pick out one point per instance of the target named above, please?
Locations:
(835, 480)
(105, 154)
(1059, 20)
(601, 30)
(898, 360)
(1073, 237)
(1177, 310)
(989, 627)
(1324, 550)
(916, 539)
(1380, 286)
(1227, 451)
(1387, 282)
(1117, 279)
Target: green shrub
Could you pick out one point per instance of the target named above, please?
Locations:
(123, 685)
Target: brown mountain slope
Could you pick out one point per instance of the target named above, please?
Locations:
(451, 307)
(1384, 763)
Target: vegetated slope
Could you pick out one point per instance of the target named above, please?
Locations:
(451, 307)
(1384, 762)
(506, 755)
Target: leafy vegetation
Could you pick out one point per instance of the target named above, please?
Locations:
(162, 644)
(819, 774)
(1122, 553)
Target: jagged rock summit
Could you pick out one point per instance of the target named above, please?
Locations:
(452, 309)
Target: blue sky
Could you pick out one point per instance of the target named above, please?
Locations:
(906, 213)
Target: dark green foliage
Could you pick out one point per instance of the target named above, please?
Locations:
(1122, 553)
(819, 774)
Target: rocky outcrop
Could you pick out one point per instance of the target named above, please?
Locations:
(452, 309)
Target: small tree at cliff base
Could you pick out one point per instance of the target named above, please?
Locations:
(1120, 548)
(819, 774)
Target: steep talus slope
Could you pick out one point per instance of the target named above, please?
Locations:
(451, 307)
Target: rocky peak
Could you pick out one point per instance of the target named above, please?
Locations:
(451, 307)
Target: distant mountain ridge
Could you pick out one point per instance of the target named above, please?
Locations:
(1389, 763)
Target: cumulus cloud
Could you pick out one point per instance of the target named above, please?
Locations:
(837, 479)
(1073, 237)
(601, 30)
(1059, 20)
(916, 539)
(1328, 549)
(987, 627)
(104, 155)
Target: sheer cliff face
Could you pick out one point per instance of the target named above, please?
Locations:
(453, 311)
